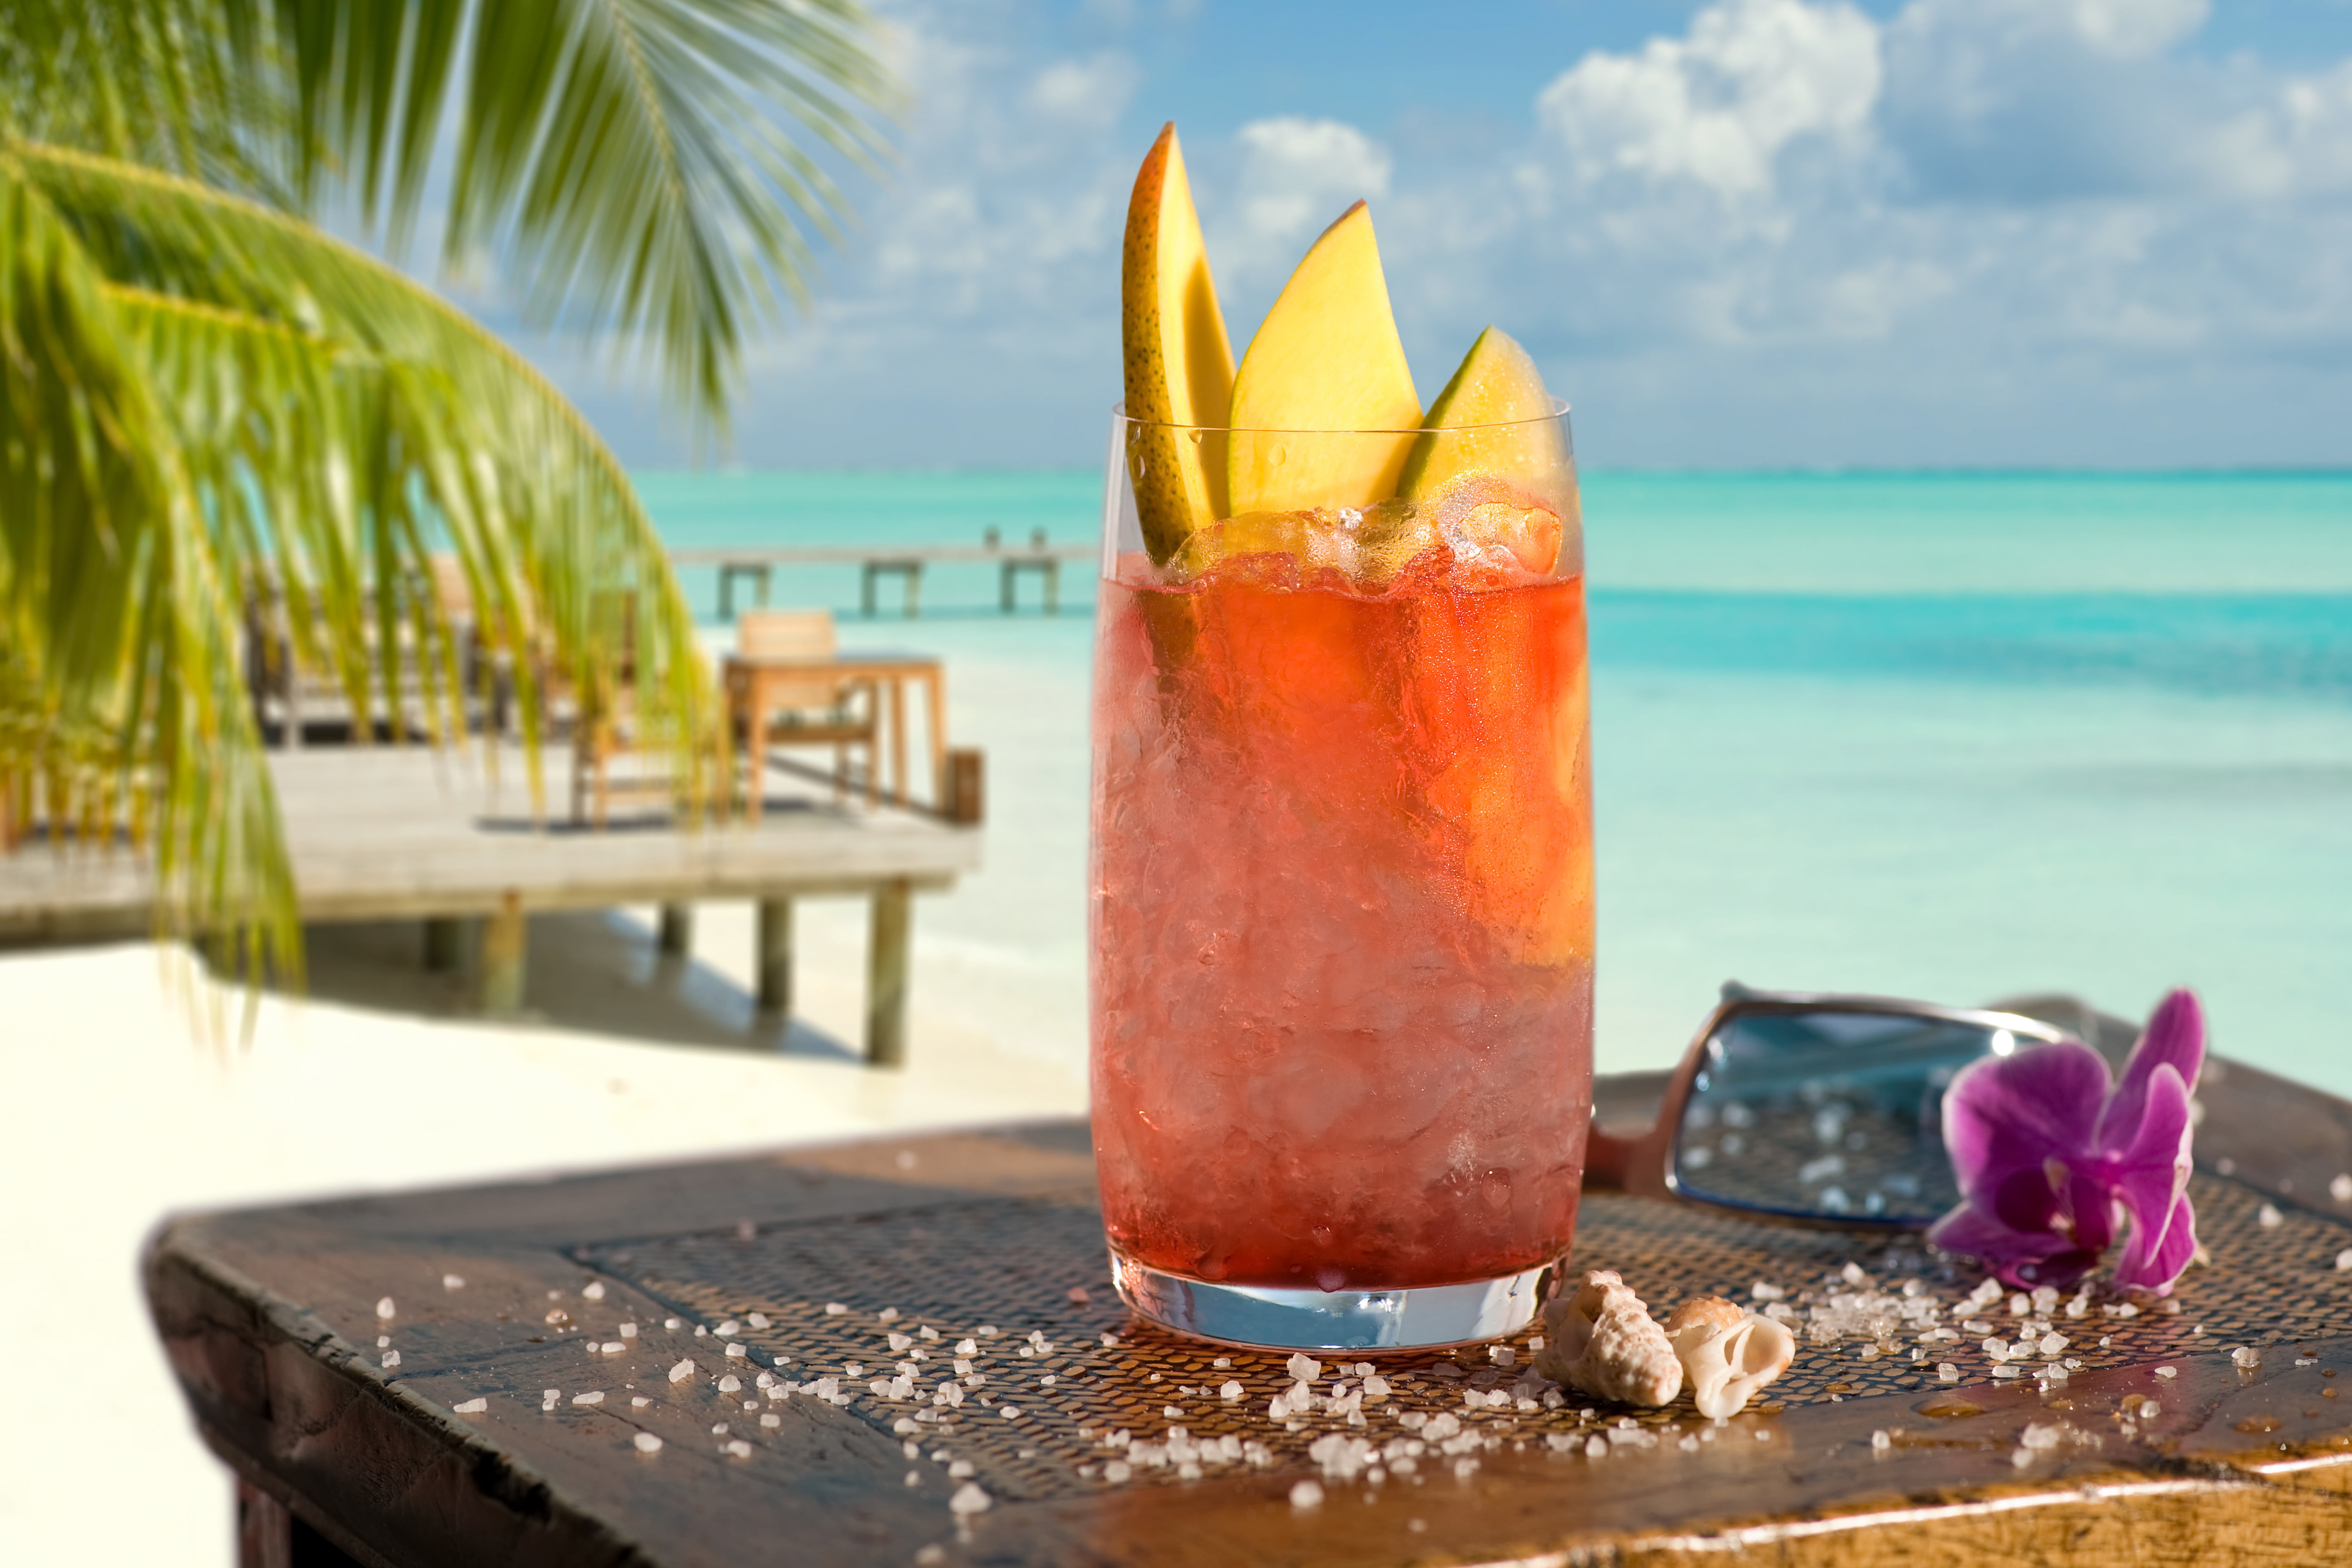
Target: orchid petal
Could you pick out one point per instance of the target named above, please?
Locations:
(2090, 1210)
(2004, 1115)
(2019, 1257)
(2154, 1257)
(2151, 1178)
(2175, 1037)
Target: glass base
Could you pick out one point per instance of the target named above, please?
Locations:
(1423, 1317)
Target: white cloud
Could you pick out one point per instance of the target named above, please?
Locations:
(1087, 94)
(1297, 176)
(1719, 105)
(1979, 230)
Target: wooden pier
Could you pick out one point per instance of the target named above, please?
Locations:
(904, 562)
(398, 831)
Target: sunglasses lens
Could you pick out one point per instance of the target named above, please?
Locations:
(1828, 1115)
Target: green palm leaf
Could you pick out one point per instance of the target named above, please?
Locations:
(210, 395)
(206, 402)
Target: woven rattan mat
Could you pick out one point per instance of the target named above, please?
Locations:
(1034, 1270)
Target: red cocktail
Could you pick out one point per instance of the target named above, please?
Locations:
(1342, 988)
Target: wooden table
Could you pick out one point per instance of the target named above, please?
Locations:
(270, 1319)
(750, 681)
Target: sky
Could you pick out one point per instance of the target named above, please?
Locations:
(1747, 233)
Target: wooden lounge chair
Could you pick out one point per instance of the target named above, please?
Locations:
(824, 706)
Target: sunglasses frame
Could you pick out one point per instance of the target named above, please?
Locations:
(1643, 1165)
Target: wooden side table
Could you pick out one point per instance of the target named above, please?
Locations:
(748, 680)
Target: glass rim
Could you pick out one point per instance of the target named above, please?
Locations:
(1559, 411)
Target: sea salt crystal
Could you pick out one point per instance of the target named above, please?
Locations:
(757, 1320)
(594, 1289)
(2168, 1372)
(2340, 1189)
(682, 1371)
(471, 1406)
(887, 1315)
(1997, 1349)
(1947, 1372)
(1222, 1361)
(593, 1396)
(384, 1309)
(1852, 1274)
(1118, 1470)
(1375, 1386)
(835, 1309)
(457, 1281)
(2344, 1261)
(970, 1500)
(1304, 1368)
(966, 1347)
(1502, 1356)
(1596, 1448)
(2150, 1411)
(1763, 1290)
(1231, 1390)
(986, 1331)
(2052, 1343)
(648, 1443)
(615, 1347)
(639, 1402)
(1307, 1494)
(628, 1331)
(738, 1353)
(1878, 1439)
(2019, 1304)
(672, 1324)
(391, 1358)
(2268, 1217)
(2246, 1355)
(383, 1341)
(740, 1449)
(1008, 1412)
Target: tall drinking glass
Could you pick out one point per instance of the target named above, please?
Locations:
(1341, 881)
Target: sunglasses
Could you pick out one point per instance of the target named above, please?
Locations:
(1813, 1109)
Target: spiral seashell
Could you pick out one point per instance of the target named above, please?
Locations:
(1726, 1352)
(1601, 1340)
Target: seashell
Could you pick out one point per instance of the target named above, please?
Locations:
(1730, 1354)
(1704, 1310)
(1601, 1340)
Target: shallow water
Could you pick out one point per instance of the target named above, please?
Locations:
(1946, 736)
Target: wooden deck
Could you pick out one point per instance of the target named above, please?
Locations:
(385, 832)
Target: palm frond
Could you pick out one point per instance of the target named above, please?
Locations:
(652, 168)
(210, 396)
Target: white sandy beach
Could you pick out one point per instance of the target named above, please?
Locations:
(118, 1114)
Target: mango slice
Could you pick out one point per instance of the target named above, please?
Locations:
(1496, 386)
(1326, 358)
(1180, 363)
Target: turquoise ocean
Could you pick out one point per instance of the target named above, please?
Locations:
(1948, 735)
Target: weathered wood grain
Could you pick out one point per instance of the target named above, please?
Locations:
(389, 832)
(268, 1317)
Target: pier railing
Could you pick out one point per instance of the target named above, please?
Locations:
(904, 562)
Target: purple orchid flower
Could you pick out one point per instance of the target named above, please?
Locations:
(2051, 1162)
